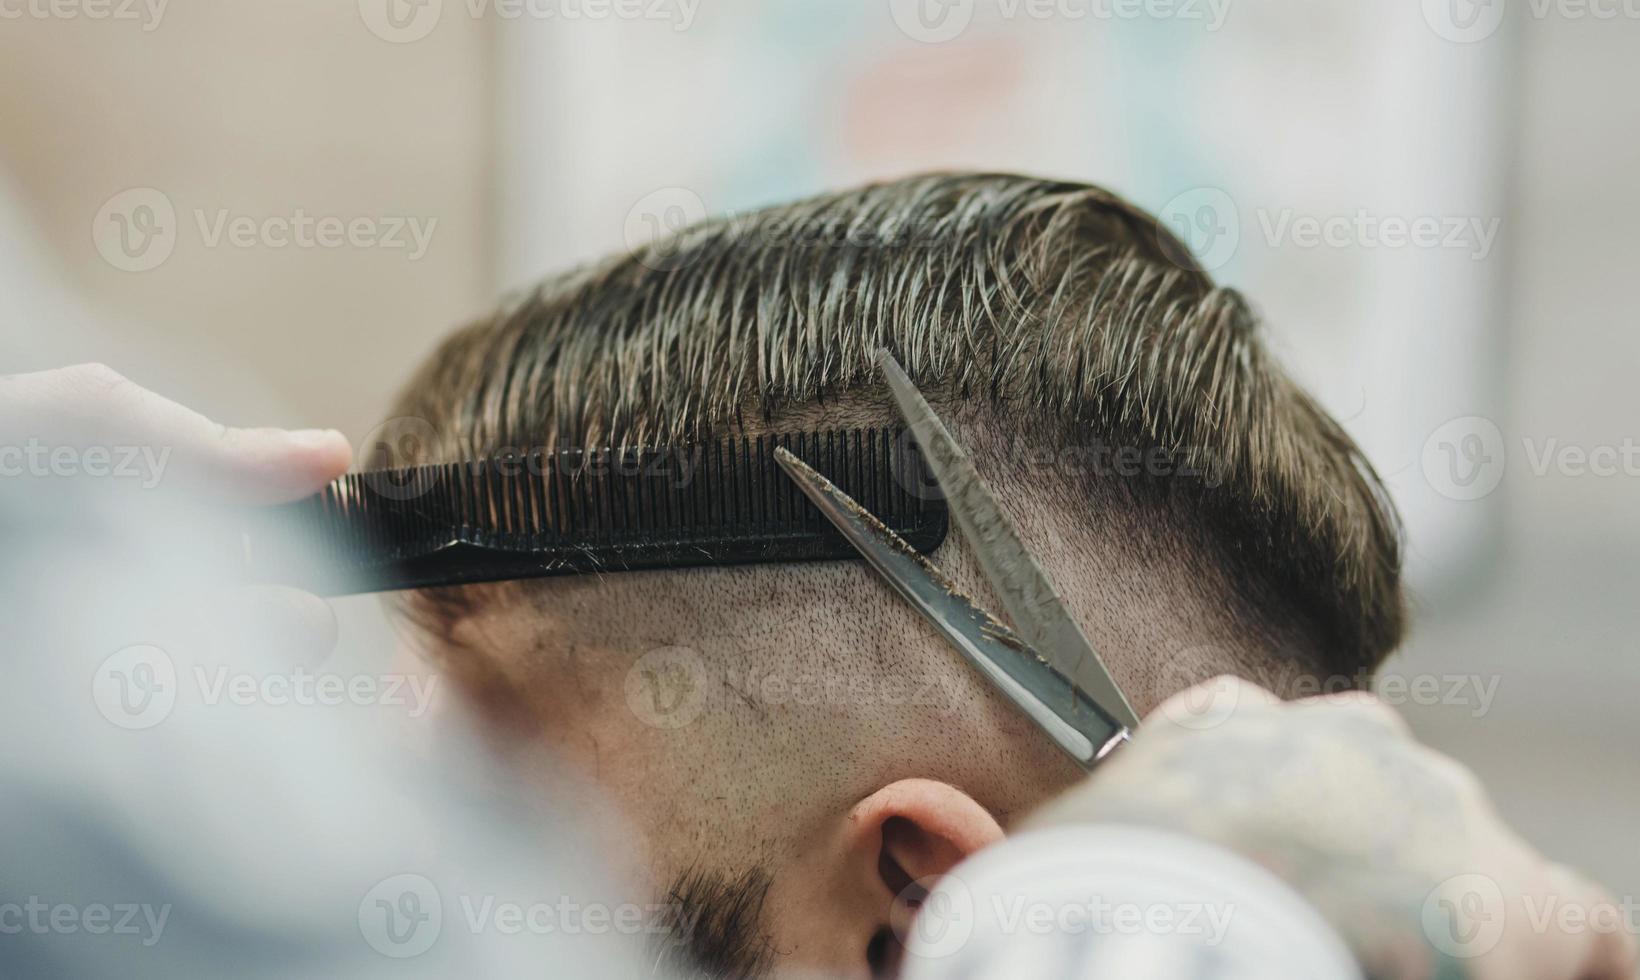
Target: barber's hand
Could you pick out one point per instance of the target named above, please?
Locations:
(1395, 844)
(86, 424)
(90, 404)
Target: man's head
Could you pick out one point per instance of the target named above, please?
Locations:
(789, 745)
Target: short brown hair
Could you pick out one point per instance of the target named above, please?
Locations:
(1059, 302)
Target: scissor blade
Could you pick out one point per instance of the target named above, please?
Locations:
(1086, 733)
(1039, 615)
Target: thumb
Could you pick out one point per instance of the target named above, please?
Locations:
(92, 406)
(268, 466)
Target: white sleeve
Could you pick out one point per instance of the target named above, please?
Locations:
(1114, 901)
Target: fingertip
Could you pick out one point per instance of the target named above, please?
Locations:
(272, 466)
(327, 451)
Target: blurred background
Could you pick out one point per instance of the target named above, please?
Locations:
(271, 212)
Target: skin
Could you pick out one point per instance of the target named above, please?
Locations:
(768, 767)
(1405, 857)
(91, 404)
(848, 799)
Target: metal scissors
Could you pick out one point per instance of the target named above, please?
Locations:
(1044, 664)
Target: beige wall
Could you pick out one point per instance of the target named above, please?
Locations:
(260, 108)
(1553, 616)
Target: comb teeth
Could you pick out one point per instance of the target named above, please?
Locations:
(578, 511)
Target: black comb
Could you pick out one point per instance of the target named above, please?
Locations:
(590, 511)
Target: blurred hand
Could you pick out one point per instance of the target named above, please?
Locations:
(75, 422)
(1395, 844)
(90, 404)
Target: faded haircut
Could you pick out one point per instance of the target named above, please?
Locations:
(1072, 313)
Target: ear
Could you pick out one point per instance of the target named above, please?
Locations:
(883, 856)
